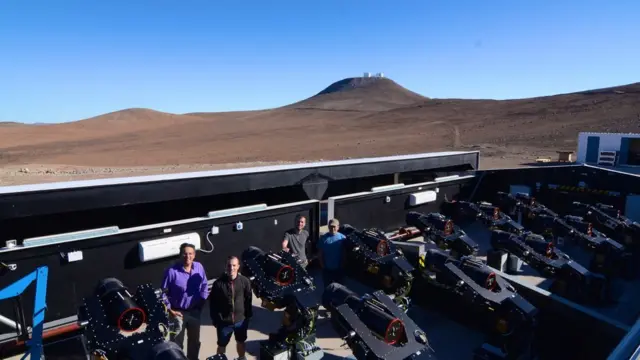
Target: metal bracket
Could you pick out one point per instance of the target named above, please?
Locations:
(16, 289)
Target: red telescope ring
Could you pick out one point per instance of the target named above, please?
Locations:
(122, 315)
(387, 337)
(549, 251)
(448, 228)
(280, 271)
(382, 248)
(491, 282)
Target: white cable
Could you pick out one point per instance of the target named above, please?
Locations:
(210, 243)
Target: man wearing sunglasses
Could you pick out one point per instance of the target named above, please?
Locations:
(331, 254)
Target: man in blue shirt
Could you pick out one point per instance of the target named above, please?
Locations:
(331, 253)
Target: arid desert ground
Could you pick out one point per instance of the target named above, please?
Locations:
(355, 117)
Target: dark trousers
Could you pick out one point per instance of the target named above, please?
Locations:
(189, 325)
(330, 276)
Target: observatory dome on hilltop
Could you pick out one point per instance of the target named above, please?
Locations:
(377, 75)
(365, 93)
(353, 83)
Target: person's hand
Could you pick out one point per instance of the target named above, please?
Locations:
(285, 249)
(175, 313)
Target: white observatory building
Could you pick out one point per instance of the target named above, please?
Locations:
(378, 75)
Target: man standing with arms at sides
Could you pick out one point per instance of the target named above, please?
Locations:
(230, 307)
(186, 289)
(295, 240)
(331, 253)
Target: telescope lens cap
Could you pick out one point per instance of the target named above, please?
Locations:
(420, 336)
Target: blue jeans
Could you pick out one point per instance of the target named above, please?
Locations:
(238, 329)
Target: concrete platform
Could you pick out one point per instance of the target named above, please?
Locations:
(449, 339)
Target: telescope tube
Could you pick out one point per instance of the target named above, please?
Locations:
(119, 305)
(166, 351)
(382, 324)
(282, 274)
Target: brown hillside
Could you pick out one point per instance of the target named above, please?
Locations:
(365, 119)
(549, 121)
(121, 122)
(11, 123)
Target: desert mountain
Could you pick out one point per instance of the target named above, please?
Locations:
(10, 123)
(360, 94)
(351, 118)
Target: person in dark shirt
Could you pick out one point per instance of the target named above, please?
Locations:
(295, 240)
(230, 307)
(186, 291)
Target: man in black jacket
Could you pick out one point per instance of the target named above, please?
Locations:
(230, 307)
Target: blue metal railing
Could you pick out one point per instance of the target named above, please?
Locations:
(629, 347)
(16, 289)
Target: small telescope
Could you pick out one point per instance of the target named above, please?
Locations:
(374, 327)
(120, 307)
(376, 261)
(441, 230)
(281, 282)
(473, 290)
(119, 325)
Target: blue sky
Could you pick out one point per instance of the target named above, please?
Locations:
(65, 60)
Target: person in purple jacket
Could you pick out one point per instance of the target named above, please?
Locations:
(186, 291)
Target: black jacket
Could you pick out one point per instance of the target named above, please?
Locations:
(223, 309)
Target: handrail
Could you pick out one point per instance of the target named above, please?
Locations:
(629, 346)
(12, 323)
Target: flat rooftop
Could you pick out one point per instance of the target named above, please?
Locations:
(66, 185)
(62, 197)
(631, 170)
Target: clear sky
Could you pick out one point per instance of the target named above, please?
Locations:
(65, 60)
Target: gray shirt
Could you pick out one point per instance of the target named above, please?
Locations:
(297, 242)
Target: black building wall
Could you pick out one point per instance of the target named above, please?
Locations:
(372, 210)
(117, 256)
(126, 216)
